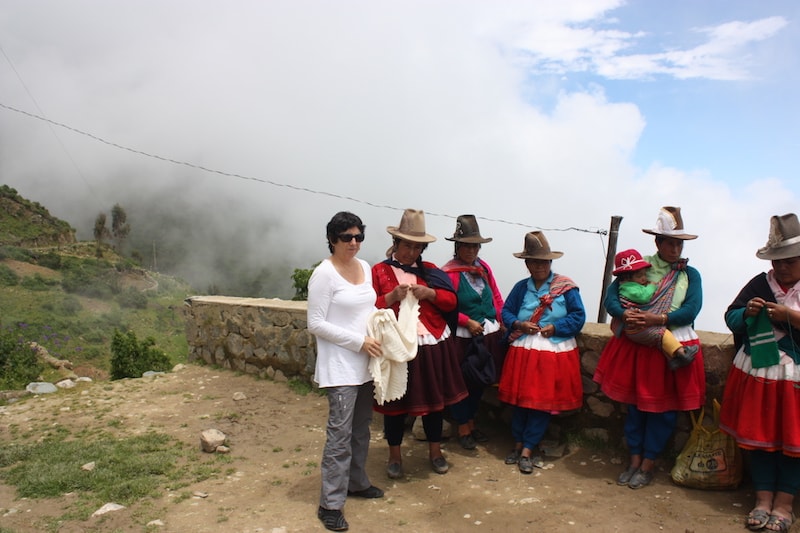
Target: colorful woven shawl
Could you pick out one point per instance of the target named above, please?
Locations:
(558, 286)
(661, 302)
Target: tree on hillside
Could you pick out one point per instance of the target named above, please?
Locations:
(119, 226)
(100, 232)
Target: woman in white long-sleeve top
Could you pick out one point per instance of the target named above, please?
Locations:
(340, 300)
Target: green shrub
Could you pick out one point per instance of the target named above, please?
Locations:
(18, 254)
(132, 299)
(8, 277)
(50, 260)
(18, 362)
(69, 306)
(131, 358)
(86, 283)
(300, 279)
(37, 283)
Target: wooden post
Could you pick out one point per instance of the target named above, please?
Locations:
(613, 233)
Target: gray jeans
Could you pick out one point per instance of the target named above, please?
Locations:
(344, 457)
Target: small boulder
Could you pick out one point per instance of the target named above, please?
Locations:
(211, 439)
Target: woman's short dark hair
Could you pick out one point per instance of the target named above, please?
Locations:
(341, 222)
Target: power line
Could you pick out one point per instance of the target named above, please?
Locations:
(270, 182)
(35, 103)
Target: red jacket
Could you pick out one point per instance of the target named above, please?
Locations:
(430, 312)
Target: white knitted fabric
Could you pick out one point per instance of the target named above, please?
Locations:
(398, 338)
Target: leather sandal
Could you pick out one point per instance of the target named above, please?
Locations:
(779, 523)
(760, 518)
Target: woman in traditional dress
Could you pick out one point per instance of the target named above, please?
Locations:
(639, 375)
(761, 403)
(542, 369)
(480, 309)
(434, 375)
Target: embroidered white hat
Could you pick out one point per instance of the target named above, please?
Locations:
(670, 224)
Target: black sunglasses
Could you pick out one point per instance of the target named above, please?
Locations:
(347, 237)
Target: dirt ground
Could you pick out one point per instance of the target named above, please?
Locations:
(272, 482)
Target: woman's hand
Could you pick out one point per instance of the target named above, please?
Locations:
(755, 305)
(528, 328)
(548, 331)
(371, 347)
(653, 319)
(474, 327)
(423, 293)
(397, 294)
(777, 312)
(634, 318)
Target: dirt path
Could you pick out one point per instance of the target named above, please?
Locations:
(272, 481)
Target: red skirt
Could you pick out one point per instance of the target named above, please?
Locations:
(638, 375)
(761, 407)
(434, 381)
(538, 374)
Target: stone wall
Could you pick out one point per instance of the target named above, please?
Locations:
(269, 337)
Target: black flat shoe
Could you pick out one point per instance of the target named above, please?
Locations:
(439, 465)
(332, 519)
(467, 442)
(394, 470)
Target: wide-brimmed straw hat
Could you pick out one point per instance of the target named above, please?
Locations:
(784, 238)
(467, 231)
(670, 224)
(412, 227)
(537, 247)
(629, 261)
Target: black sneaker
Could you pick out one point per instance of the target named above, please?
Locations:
(332, 519)
(370, 492)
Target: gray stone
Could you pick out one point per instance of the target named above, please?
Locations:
(600, 407)
(41, 387)
(107, 508)
(211, 439)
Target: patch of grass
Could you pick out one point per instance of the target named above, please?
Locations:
(8, 277)
(300, 386)
(127, 470)
(18, 362)
(38, 283)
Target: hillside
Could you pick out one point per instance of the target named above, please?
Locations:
(70, 297)
(28, 224)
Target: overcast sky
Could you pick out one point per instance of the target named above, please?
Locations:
(530, 115)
